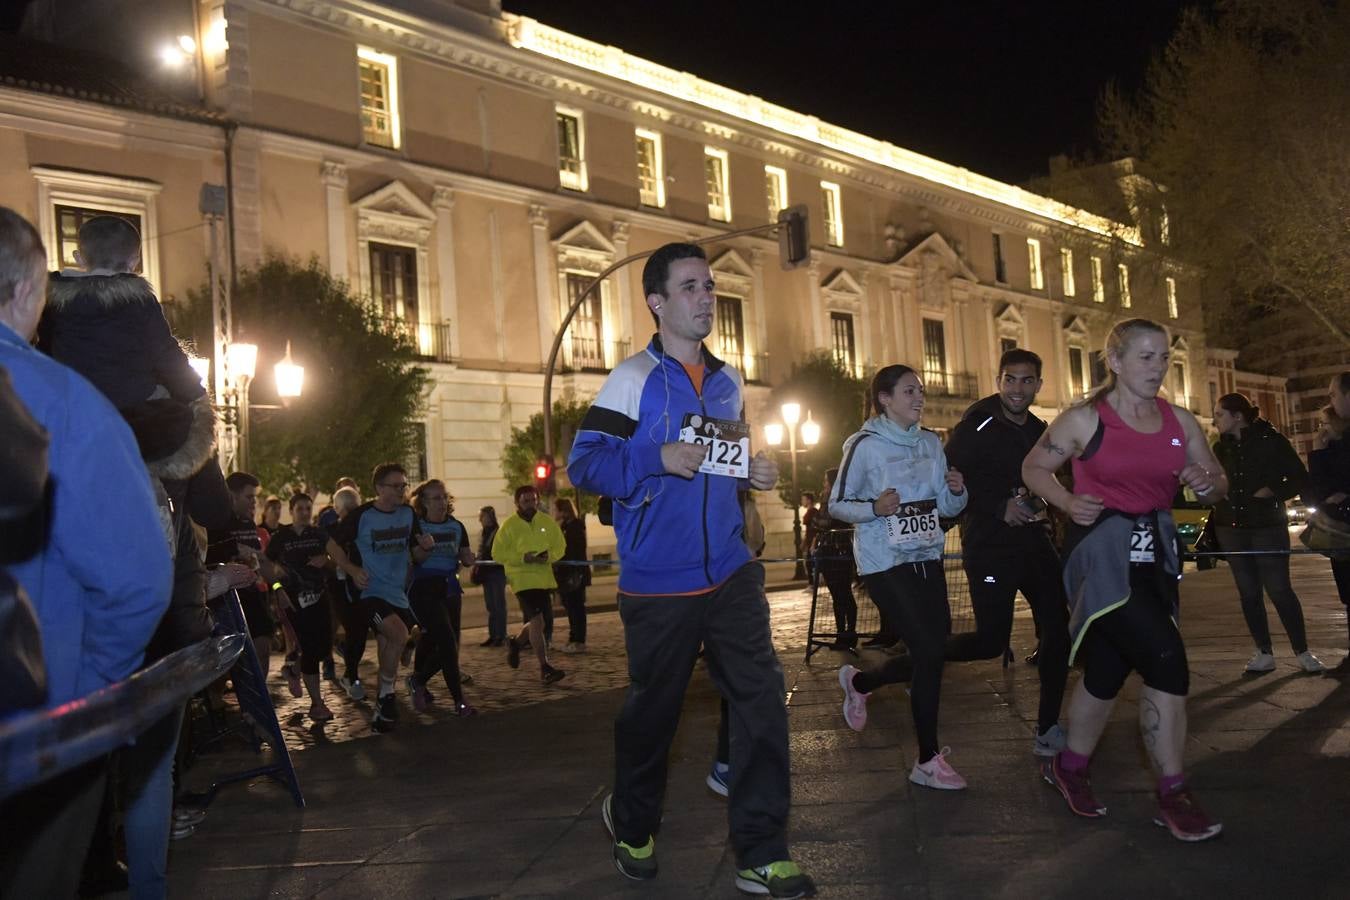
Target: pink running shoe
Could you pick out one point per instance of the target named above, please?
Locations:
(855, 702)
(937, 773)
(1180, 814)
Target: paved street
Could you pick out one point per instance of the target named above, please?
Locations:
(507, 804)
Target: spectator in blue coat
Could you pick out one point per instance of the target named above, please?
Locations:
(99, 582)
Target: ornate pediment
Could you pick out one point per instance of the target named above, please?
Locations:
(841, 282)
(583, 247)
(1180, 346)
(733, 273)
(1010, 316)
(934, 252)
(395, 199)
(1076, 330)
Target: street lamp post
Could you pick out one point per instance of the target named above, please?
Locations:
(810, 436)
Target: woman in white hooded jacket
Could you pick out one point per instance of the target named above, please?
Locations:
(893, 485)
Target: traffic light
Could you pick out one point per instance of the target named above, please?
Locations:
(794, 237)
(545, 476)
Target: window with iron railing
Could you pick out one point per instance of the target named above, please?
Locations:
(841, 341)
(585, 336)
(775, 191)
(393, 280)
(934, 351)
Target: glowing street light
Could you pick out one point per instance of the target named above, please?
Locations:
(290, 377)
(201, 366)
(243, 360)
(810, 436)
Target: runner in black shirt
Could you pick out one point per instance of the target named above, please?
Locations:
(298, 548)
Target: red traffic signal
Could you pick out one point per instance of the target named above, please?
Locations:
(545, 477)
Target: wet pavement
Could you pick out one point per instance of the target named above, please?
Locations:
(507, 803)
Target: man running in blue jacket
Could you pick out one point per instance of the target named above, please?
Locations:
(666, 439)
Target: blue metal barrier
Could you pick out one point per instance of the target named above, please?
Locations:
(255, 704)
(39, 745)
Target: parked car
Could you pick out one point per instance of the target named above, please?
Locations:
(1191, 517)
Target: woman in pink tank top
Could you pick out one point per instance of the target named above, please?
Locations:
(1130, 449)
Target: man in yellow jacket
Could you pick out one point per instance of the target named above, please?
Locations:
(526, 545)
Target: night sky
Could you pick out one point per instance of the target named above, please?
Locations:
(995, 86)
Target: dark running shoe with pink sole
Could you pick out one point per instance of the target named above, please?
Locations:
(1180, 814)
(1075, 787)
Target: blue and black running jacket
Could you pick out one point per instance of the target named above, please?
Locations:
(675, 536)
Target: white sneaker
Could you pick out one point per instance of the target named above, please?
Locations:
(574, 648)
(1310, 663)
(1261, 661)
(855, 702)
(938, 773)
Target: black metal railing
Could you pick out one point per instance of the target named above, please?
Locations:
(428, 340)
(588, 354)
(951, 384)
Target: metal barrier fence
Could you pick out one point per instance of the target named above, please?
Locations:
(42, 744)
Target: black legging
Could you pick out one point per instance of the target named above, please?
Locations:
(913, 596)
(838, 580)
(355, 616)
(437, 610)
(1037, 575)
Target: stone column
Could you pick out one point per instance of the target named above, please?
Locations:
(334, 175)
(623, 322)
(543, 282)
(816, 311)
(443, 202)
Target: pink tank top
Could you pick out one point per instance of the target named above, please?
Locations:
(1132, 472)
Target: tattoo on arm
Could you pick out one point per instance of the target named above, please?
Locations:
(1052, 446)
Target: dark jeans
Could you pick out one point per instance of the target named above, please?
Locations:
(438, 613)
(994, 583)
(575, 604)
(1252, 573)
(662, 636)
(45, 831)
(914, 597)
(494, 599)
(1340, 570)
(838, 580)
(147, 773)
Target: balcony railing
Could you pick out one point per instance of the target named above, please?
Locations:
(754, 367)
(586, 354)
(430, 340)
(962, 385)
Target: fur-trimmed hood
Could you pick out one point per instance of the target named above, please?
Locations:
(74, 293)
(193, 453)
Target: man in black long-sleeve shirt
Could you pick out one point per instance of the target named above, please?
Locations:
(1005, 539)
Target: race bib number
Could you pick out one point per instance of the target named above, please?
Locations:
(913, 525)
(727, 442)
(1141, 542)
(308, 598)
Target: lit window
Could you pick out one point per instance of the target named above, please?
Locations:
(379, 97)
(651, 180)
(1098, 284)
(719, 188)
(1000, 269)
(571, 150)
(1034, 270)
(1179, 384)
(730, 328)
(834, 214)
(1078, 373)
(1066, 266)
(1171, 297)
(587, 331)
(934, 355)
(393, 281)
(69, 219)
(775, 190)
(841, 340)
(1164, 226)
(1123, 282)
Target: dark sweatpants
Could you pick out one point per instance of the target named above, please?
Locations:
(662, 636)
(995, 580)
(1253, 573)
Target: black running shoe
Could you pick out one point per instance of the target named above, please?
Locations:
(386, 715)
(552, 675)
(513, 653)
